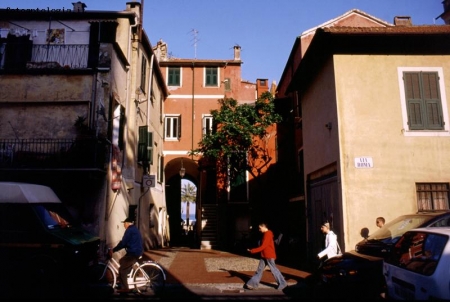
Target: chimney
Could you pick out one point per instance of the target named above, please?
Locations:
(237, 53)
(402, 21)
(78, 6)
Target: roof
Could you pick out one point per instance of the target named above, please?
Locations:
(61, 14)
(198, 62)
(393, 40)
(15, 192)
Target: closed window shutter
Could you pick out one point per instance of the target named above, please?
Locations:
(432, 100)
(145, 145)
(413, 100)
(179, 126)
(423, 100)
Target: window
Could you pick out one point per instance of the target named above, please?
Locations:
(432, 196)
(207, 124)
(143, 73)
(174, 76)
(211, 76)
(172, 127)
(418, 252)
(421, 93)
(145, 146)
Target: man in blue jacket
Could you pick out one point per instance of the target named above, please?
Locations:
(132, 243)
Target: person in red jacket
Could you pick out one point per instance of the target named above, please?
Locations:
(268, 256)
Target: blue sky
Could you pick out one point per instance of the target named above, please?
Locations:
(265, 29)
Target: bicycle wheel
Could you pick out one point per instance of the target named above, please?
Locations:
(149, 279)
(104, 274)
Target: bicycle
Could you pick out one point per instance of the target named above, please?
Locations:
(147, 277)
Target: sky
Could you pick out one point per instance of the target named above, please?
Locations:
(264, 29)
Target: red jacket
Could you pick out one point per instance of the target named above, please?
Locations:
(267, 247)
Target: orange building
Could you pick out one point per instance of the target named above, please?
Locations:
(195, 86)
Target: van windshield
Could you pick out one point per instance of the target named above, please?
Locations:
(394, 229)
(54, 215)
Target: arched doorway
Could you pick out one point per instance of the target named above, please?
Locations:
(181, 234)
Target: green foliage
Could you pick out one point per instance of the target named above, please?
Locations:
(232, 142)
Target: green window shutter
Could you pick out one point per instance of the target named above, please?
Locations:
(145, 146)
(413, 100)
(174, 76)
(179, 126)
(432, 100)
(423, 100)
(211, 76)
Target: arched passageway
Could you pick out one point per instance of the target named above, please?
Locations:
(178, 234)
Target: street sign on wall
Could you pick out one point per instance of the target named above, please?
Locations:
(149, 181)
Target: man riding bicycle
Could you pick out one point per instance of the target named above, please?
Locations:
(132, 243)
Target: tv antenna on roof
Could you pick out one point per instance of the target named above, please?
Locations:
(195, 39)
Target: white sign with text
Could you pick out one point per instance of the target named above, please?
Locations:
(363, 162)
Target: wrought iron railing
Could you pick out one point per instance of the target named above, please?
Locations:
(67, 56)
(46, 56)
(86, 153)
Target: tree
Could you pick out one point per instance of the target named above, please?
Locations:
(188, 195)
(234, 143)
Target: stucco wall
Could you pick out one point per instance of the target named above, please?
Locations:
(370, 125)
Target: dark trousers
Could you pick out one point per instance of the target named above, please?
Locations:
(126, 262)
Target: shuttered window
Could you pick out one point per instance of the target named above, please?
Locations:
(173, 76)
(145, 146)
(423, 101)
(211, 76)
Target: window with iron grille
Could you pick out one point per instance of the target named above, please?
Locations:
(174, 76)
(432, 196)
(145, 146)
(172, 127)
(211, 76)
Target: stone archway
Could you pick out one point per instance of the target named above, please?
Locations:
(173, 198)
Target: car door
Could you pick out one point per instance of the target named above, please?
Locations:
(419, 267)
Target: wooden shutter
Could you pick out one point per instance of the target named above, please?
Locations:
(413, 100)
(423, 100)
(145, 145)
(179, 126)
(432, 100)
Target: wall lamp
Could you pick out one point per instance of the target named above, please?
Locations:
(182, 169)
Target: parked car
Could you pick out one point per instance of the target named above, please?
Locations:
(39, 242)
(363, 266)
(418, 268)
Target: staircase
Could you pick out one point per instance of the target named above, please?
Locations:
(208, 239)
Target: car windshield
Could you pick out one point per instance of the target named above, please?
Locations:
(399, 226)
(54, 215)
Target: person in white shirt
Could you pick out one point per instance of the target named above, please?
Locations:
(331, 245)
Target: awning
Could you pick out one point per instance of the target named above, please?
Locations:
(14, 192)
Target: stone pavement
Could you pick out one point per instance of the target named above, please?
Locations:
(196, 273)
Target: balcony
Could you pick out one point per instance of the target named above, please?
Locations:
(20, 57)
(54, 154)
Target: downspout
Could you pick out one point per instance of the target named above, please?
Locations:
(150, 86)
(193, 109)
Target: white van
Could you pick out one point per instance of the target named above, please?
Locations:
(39, 241)
(419, 266)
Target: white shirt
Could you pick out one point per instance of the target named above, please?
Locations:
(330, 245)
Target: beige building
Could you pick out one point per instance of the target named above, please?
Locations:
(81, 99)
(375, 125)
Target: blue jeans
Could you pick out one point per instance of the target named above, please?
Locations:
(254, 281)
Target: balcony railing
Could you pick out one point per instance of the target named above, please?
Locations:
(44, 56)
(89, 153)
